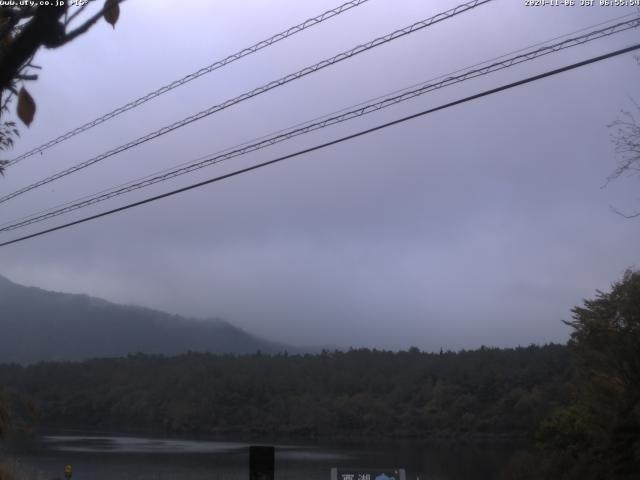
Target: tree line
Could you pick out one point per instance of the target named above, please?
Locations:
(577, 404)
(486, 392)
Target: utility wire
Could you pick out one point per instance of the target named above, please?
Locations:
(484, 62)
(245, 96)
(192, 76)
(313, 125)
(334, 142)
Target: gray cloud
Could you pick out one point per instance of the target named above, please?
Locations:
(481, 224)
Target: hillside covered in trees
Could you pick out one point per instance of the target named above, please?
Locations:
(39, 325)
(482, 393)
(578, 405)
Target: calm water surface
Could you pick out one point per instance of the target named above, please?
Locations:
(124, 457)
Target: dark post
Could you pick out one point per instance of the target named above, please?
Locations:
(261, 463)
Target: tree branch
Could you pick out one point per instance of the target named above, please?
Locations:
(82, 28)
(86, 25)
(625, 215)
(42, 29)
(29, 77)
(76, 13)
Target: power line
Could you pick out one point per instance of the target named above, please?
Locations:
(313, 125)
(245, 96)
(192, 76)
(334, 142)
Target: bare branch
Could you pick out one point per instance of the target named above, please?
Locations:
(29, 77)
(626, 139)
(625, 215)
(81, 29)
(85, 26)
(76, 13)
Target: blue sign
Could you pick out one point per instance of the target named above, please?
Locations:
(367, 474)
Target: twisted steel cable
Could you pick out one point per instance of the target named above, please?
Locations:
(332, 120)
(192, 76)
(321, 146)
(257, 91)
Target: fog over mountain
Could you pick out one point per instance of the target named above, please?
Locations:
(37, 324)
(482, 224)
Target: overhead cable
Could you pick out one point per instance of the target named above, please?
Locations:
(316, 125)
(332, 142)
(192, 76)
(257, 91)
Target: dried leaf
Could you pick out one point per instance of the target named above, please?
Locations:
(111, 12)
(26, 107)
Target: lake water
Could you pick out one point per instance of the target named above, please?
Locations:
(124, 457)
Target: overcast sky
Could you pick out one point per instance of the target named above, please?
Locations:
(481, 224)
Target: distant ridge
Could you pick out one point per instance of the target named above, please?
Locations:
(39, 325)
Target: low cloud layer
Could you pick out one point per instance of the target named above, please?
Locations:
(481, 224)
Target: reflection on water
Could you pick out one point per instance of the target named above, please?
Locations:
(69, 443)
(102, 457)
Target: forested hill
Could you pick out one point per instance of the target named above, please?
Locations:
(36, 325)
(486, 392)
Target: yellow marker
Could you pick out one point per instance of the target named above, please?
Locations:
(68, 471)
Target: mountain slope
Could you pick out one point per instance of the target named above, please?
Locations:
(36, 325)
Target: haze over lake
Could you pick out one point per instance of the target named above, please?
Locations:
(111, 456)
